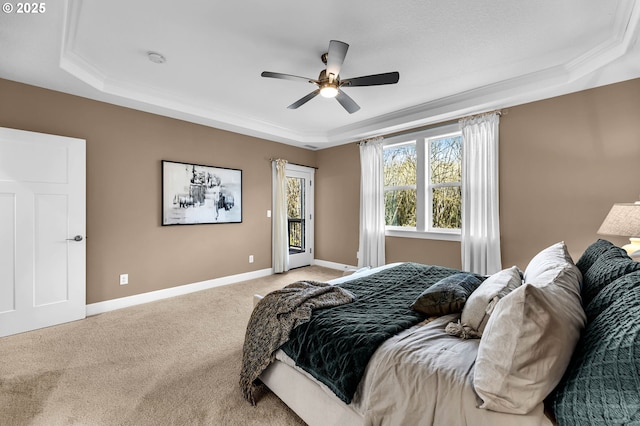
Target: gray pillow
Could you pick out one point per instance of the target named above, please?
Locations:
(592, 253)
(601, 386)
(447, 296)
(608, 267)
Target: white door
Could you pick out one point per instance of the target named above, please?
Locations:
(42, 230)
(300, 215)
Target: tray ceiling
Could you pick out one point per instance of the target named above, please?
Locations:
(454, 58)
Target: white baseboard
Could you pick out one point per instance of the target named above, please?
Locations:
(138, 299)
(334, 265)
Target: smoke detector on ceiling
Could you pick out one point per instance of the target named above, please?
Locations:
(156, 58)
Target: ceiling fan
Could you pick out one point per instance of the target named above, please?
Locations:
(329, 83)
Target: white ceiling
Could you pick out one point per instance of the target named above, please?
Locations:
(455, 57)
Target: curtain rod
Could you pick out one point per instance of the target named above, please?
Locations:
(435, 125)
(498, 112)
(294, 164)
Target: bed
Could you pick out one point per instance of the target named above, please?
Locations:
(425, 375)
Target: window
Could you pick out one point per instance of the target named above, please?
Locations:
(400, 189)
(423, 184)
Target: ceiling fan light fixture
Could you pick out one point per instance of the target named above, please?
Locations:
(329, 91)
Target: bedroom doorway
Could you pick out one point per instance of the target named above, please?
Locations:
(42, 230)
(300, 215)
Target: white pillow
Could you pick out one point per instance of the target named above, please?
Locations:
(530, 337)
(482, 301)
(548, 263)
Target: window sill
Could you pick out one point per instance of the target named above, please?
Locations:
(412, 233)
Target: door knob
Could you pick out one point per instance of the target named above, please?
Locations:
(76, 238)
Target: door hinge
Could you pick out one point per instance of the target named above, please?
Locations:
(311, 250)
(310, 216)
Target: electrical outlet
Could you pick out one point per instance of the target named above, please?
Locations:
(124, 279)
(250, 258)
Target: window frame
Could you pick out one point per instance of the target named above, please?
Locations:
(424, 186)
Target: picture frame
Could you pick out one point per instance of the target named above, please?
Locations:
(194, 194)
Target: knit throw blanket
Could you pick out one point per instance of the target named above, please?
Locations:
(272, 320)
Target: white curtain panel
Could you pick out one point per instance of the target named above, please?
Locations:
(480, 201)
(371, 248)
(280, 230)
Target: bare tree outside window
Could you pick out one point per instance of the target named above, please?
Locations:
(442, 166)
(294, 198)
(445, 162)
(295, 214)
(400, 165)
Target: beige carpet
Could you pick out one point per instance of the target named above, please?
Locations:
(171, 362)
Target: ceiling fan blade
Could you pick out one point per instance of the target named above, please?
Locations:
(335, 56)
(349, 104)
(304, 100)
(287, 77)
(372, 80)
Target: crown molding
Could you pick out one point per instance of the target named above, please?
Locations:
(533, 86)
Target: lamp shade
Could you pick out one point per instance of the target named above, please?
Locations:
(622, 220)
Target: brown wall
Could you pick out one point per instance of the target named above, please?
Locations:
(337, 204)
(124, 150)
(563, 162)
(338, 211)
